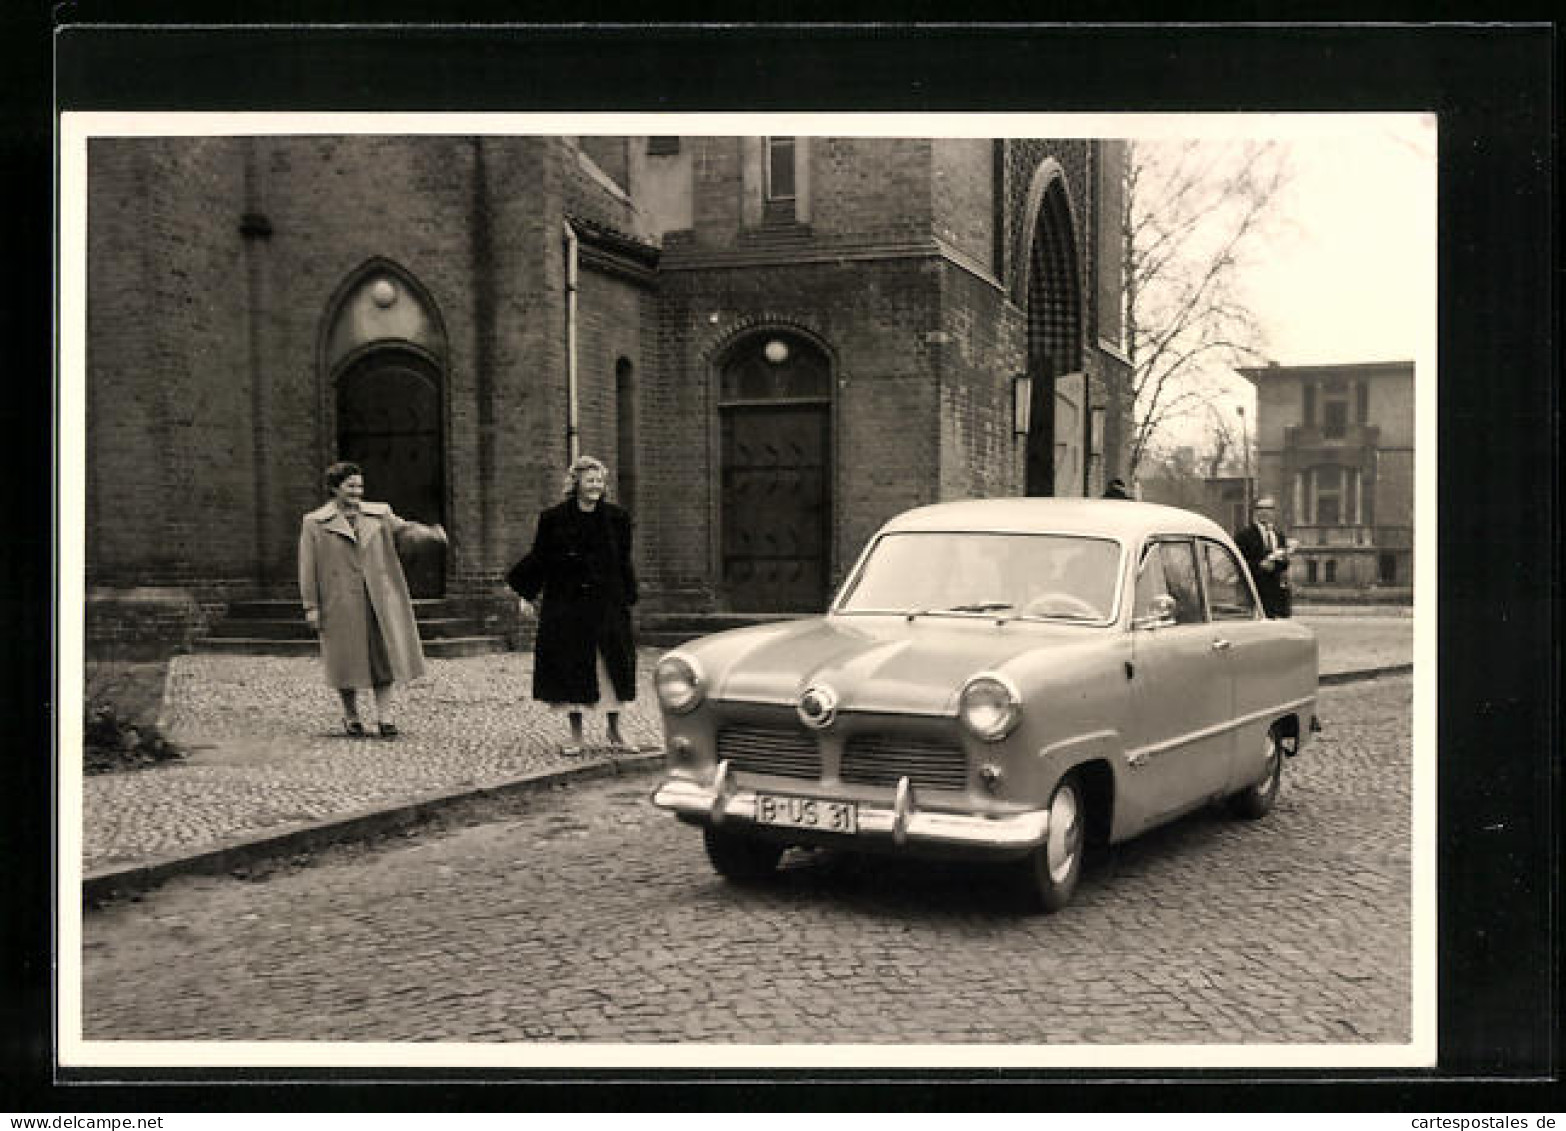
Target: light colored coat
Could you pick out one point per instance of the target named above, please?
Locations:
(336, 570)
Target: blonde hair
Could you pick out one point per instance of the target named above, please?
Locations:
(579, 467)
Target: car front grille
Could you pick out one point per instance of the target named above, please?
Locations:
(765, 750)
(883, 759)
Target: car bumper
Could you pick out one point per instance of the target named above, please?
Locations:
(901, 824)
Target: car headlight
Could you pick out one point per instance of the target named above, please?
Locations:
(678, 679)
(990, 706)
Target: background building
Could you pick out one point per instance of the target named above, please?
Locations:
(775, 342)
(1335, 446)
(1222, 498)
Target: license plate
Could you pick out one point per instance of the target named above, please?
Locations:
(807, 813)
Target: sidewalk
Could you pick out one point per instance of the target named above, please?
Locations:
(270, 772)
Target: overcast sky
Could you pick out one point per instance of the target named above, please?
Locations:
(1351, 275)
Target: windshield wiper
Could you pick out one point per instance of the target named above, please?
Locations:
(976, 607)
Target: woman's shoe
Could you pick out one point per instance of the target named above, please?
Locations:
(570, 750)
(389, 730)
(354, 728)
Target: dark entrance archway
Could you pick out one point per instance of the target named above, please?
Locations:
(775, 413)
(1054, 320)
(389, 423)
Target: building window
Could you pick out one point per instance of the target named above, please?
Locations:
(1333, 496)
(663, 146)
(1334, 418)
(780, 168)
(1387, 564)
(625, 429)
(1328, 512)
(1311, 572)
(1310, 406)
(1332, 571)
(1362, 402)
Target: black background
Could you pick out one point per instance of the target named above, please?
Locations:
(1498, 543)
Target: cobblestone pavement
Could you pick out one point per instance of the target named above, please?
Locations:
(588, 916)
(267, 750)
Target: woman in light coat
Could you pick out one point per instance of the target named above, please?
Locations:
(356, 596)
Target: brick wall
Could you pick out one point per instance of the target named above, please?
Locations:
(986, 344)
(612, 317)
(963, 196)
(875, 320)
(870, 189)
(169, 455)
(212, 413)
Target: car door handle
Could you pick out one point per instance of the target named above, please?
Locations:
(1220, 645)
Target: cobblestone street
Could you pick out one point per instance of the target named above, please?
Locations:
(266, 749)
(587, 915)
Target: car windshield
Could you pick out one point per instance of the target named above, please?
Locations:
(1046, 576)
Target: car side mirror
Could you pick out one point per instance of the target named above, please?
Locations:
(1160, 613)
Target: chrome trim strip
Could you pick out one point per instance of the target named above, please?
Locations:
(1144, 753)
(720, 793)
(1012, 831)
(902, 810)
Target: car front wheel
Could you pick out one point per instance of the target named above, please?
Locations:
(1053, 868)
(741, 859)
(1256, 801)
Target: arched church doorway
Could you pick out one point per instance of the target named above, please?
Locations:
(389, 423)
(1054, 321)
(775, 425)
(383, 352)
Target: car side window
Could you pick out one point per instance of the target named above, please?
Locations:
(1170, 567)
(1228, 595)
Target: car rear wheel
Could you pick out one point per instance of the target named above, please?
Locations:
(1256, 801)
(741, 859)
(1053, 868)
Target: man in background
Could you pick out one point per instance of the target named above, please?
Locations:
(1266, 549)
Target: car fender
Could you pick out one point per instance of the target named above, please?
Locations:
(1098, 748)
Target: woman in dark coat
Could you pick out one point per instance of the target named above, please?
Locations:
(579, 571)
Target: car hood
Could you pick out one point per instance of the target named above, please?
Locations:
(873, 663)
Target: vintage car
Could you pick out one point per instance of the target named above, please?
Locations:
(1006, 679)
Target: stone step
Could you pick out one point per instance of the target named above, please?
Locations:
(254, 646)
(443, 648)
(669, 630)
(450, 648)
(705, 623)
(281, 609)
(296, 628)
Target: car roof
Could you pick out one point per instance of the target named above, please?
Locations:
(1115, 518)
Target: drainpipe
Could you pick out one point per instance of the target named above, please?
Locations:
(573, 439)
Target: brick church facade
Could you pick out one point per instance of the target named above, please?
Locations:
(774, 343)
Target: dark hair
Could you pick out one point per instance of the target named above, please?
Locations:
(340, 472)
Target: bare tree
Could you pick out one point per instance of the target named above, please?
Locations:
(1192, 212)
(1225, 440)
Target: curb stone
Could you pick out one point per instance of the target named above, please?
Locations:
(116, 881)
(1330, 679)
(111, 882)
